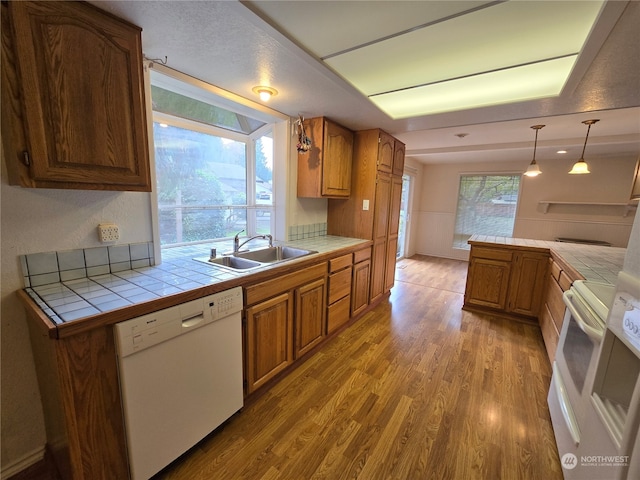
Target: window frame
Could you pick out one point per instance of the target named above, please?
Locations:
(229, 101)
(455, 244)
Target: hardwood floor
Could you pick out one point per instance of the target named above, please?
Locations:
(416, 389)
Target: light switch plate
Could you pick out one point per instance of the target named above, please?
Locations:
(365, 204)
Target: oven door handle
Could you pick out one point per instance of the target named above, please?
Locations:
(565, 405)
(593, 333)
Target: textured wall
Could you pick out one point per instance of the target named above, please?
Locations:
(610, 182)
(41, 220)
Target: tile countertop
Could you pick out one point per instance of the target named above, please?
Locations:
(595, 263)
(70, 300)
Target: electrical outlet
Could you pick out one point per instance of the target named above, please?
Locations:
(108, 232)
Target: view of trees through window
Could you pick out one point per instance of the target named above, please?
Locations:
(486, 206)
(203, 185)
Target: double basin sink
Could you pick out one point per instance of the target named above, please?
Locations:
(247, 260)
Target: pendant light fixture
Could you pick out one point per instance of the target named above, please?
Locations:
(534, 170)
(581, 167)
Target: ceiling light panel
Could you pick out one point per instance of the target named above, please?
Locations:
(501, 36)
(353, 23)
(528, 82)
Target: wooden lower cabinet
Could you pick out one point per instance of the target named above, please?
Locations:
(360, 286)
(339, 292)
(378, 270)
(527, 283)
(269, 339)
(552, 312)
(506, 280)
(309, 319)
(488, 283)
(285, 318)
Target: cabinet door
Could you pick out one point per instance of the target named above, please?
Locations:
(398, 158)
(487, 283)
(378, 270)
(336, 164)
(360, 287)
(81, 81)
(394, 208)
(527, 283)
(269, 339)
(390, 265)
(310, 311)
(385, 152)
(381, 207)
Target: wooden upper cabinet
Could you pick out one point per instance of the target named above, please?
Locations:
(73, 76)
(385, 152)
(325, 170)
(398, 158)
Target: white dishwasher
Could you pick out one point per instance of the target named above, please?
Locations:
(180, 377)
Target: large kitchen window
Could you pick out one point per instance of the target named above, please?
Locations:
(486, 206)
(214, 166)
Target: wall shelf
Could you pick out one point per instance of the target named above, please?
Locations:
(627, 206)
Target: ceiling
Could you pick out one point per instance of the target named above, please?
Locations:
(326, 57)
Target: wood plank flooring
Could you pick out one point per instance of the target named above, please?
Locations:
(416, 389)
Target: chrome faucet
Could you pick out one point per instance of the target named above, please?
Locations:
(237, 244)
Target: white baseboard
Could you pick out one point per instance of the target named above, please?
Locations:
(23, 463)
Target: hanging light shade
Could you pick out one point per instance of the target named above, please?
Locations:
(534, 170)
(581, 167)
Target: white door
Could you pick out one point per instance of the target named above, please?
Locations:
(403, 231)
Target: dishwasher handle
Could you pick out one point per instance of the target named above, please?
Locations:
(193, 321)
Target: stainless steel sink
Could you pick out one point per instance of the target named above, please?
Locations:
(250, 259)
(232, 262)
(274, 254)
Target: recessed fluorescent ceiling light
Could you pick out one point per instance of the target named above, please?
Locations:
(508, 52)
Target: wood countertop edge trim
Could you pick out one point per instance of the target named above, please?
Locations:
(571, 271)
(529, 248)
(132, 311)
(34, 312)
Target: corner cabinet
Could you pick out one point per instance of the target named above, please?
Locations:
(73, 105)
(372, 211)
(325, 170)
(506, 280)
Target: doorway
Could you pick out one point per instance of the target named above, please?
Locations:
(403, 229)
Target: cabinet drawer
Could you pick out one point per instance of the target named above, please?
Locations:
(270, 288)
(362, 255)
(555, 304)
(564, 281)
(555, 269)
(339, 285)
(339, 263)
(492, 253)
(549, 333)
(338, 314)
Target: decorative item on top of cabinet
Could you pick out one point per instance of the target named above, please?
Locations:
(324, 171)
(372, 211)
(73, 105)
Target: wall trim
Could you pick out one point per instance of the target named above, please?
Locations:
(27, 460)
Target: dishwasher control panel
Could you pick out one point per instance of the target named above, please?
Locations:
(148, 330)
(225, 303)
